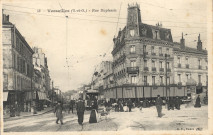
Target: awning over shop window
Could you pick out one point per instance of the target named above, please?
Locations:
(5, 95)
(42, 96)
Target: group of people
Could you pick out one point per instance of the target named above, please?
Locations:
(120, 106)
(80, 108)
(174, 102)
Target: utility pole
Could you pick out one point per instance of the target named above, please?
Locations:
(166, 72)
(167, 100)
(52, 92)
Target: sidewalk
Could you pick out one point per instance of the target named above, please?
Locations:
(27, 114)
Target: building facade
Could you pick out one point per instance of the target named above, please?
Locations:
(17, 67)
(146, 61)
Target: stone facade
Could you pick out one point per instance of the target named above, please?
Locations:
(145, 55)
(17, 64)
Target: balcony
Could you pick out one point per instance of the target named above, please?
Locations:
(187, 65)
(146, 69)
(179, 65)
(179, 83)
(199, 67)
(132, 70)
(169, 70)
(160, 54)
(154, 69)
(145, 53)
(133, 52)
(161, 69)
(154, 54)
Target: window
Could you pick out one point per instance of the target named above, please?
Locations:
(199, 78)
(133, 79)
(133, 63)
(168, 80)
(161, 64)
(187, 76)
(179, 60)
(187, 60)
(199, 62)
(145, 79)
(161, 79)
(132, 49)
(153, 80)
(145, 63)
(144, 48)
(152, 50)
(167, 50)
(179, 77)
(153, 63)
(14, 60)
(160, 50)
(167, 65)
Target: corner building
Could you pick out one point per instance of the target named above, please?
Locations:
(145, 61)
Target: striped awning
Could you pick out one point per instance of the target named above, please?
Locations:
(5, 96)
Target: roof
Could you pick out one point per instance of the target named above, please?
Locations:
(190, 50)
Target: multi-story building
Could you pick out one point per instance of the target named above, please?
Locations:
(145, 60)
(40, 64)
(17, 67)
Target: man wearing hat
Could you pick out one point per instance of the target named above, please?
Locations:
(58, 111)
(80, 108)
(159, 104)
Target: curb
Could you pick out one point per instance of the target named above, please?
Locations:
(15, 118)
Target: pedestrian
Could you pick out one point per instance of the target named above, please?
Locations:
(80, 108)
(58, 110)
(177, 103)
(141, 105)
(95, 104)
(197, 103)
(158, 104)
(71, 106)
(129, 104)
(17, 109)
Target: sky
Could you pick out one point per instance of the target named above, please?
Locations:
(76, 44)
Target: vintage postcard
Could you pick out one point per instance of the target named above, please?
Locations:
(106, 67)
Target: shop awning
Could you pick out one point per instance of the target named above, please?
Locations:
(42, 96)
(5, 95)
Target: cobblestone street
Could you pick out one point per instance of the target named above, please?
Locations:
(184, 119)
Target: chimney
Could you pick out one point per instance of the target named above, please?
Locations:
(182, 41)
(5, 17)
(199, 44)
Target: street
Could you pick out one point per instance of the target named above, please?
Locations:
(185, 119)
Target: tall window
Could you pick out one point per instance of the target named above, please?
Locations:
(145, 63)
(153, 80)
(153, 63)
(161, 64)
(152, 50)
(199, 62)
(145, 79)
(179, 60)
(199, 78)
(187, 76)
(132, 49)
(144, 48)
(160, 50)
(167, 50)
(187, 60)
(167, 65)
(133, 79)
(161, 79)
(133, 63)
(179, 77)
(168, 80)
